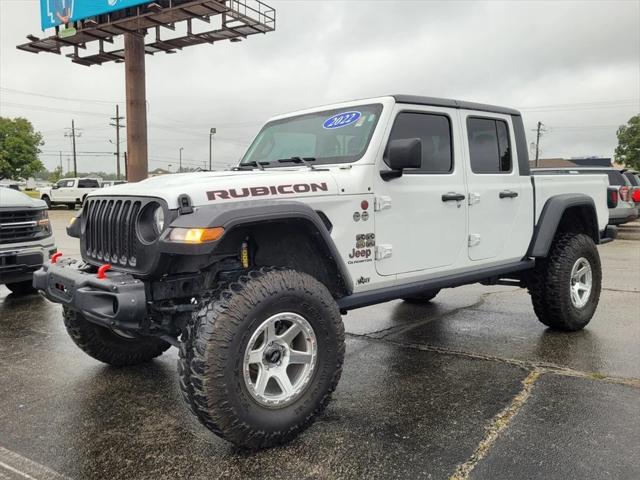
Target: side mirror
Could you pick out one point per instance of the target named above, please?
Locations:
(402, 153)
(55, 187)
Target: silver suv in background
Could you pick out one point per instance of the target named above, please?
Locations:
(26, 239)
(622, 208)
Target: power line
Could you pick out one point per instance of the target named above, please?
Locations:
(52, 110)
(54, 97)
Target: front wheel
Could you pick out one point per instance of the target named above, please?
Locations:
(47, 200)
(565, 286)
(22, 288)
(114, 348)
(259, 360)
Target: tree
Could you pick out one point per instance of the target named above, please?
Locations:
(628, 149)
(19, 148)
(56, 174)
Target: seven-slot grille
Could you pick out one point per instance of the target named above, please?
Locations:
(19, 226)
(110, 230)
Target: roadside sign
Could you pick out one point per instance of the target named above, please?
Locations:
(60, 12)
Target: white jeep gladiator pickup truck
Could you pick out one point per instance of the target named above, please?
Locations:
(333, 208)
(69, 191)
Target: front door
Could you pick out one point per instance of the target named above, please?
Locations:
(65, 191)
(421, 216)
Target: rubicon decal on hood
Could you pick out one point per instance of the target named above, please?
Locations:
(290, 189)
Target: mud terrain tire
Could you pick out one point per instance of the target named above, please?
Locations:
(212, 357)
(550, 283)
(109, 347)
(21, 288)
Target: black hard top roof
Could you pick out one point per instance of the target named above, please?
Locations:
(448, 102)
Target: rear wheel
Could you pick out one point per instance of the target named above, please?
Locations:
(565, 286)
(260, 360)
(424, 297)
(115, 348)
(22, 288)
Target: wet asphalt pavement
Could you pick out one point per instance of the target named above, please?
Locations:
(470, 386)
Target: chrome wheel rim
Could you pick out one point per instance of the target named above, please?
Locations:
(581, 282)
(280, 360)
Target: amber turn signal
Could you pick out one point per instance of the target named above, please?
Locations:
(195, 235)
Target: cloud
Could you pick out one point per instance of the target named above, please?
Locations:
(522, 54)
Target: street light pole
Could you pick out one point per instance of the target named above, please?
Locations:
(212, 132)
(180, 168)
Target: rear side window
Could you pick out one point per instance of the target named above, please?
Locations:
(435, 133)
(615, 177)
(632, 178)
(489, 145)
(88, 183)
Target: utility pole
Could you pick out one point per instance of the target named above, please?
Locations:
(136, 106)
(212, 132)
(73, 134)
(61, 170)
(539, 133)
(180, 168)
(117, 119)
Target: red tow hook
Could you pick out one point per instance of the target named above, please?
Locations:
(55, 257)
(103, 270)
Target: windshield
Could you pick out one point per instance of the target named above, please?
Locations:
(330, 136)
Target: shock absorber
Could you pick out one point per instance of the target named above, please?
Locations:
(244, 253)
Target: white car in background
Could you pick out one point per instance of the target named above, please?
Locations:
(69, 191)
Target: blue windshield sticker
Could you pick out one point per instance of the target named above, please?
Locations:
(341, 120)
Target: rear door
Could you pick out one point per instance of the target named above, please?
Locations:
(85, 186)
(416, 227)
(500, 199)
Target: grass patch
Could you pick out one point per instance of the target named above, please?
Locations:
(32, 193)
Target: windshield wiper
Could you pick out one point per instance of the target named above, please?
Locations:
(304, 161)
(252, 164)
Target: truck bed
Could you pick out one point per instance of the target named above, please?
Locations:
(595, 186)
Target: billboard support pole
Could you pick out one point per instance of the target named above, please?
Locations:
(137, 162)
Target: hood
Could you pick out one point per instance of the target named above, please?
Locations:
(208, 188)
(13, 198)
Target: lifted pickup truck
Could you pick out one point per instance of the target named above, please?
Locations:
(333, 208)
(69, 191)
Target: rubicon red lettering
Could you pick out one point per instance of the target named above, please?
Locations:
(261, 191)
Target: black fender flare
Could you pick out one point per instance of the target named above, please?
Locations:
(550, 217)
(232, 215)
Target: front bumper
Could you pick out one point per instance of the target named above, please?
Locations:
(117, 301)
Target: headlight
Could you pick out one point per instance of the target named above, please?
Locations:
(43, 222)
(150, 224)
(158, 220)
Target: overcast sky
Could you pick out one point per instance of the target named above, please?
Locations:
(573, 65)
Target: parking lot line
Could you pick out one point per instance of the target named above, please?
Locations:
(25, 468)
(497, 425)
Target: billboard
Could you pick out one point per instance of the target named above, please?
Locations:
(59, 12)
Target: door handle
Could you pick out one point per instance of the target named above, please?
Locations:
(508, 194)
(452, 197)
